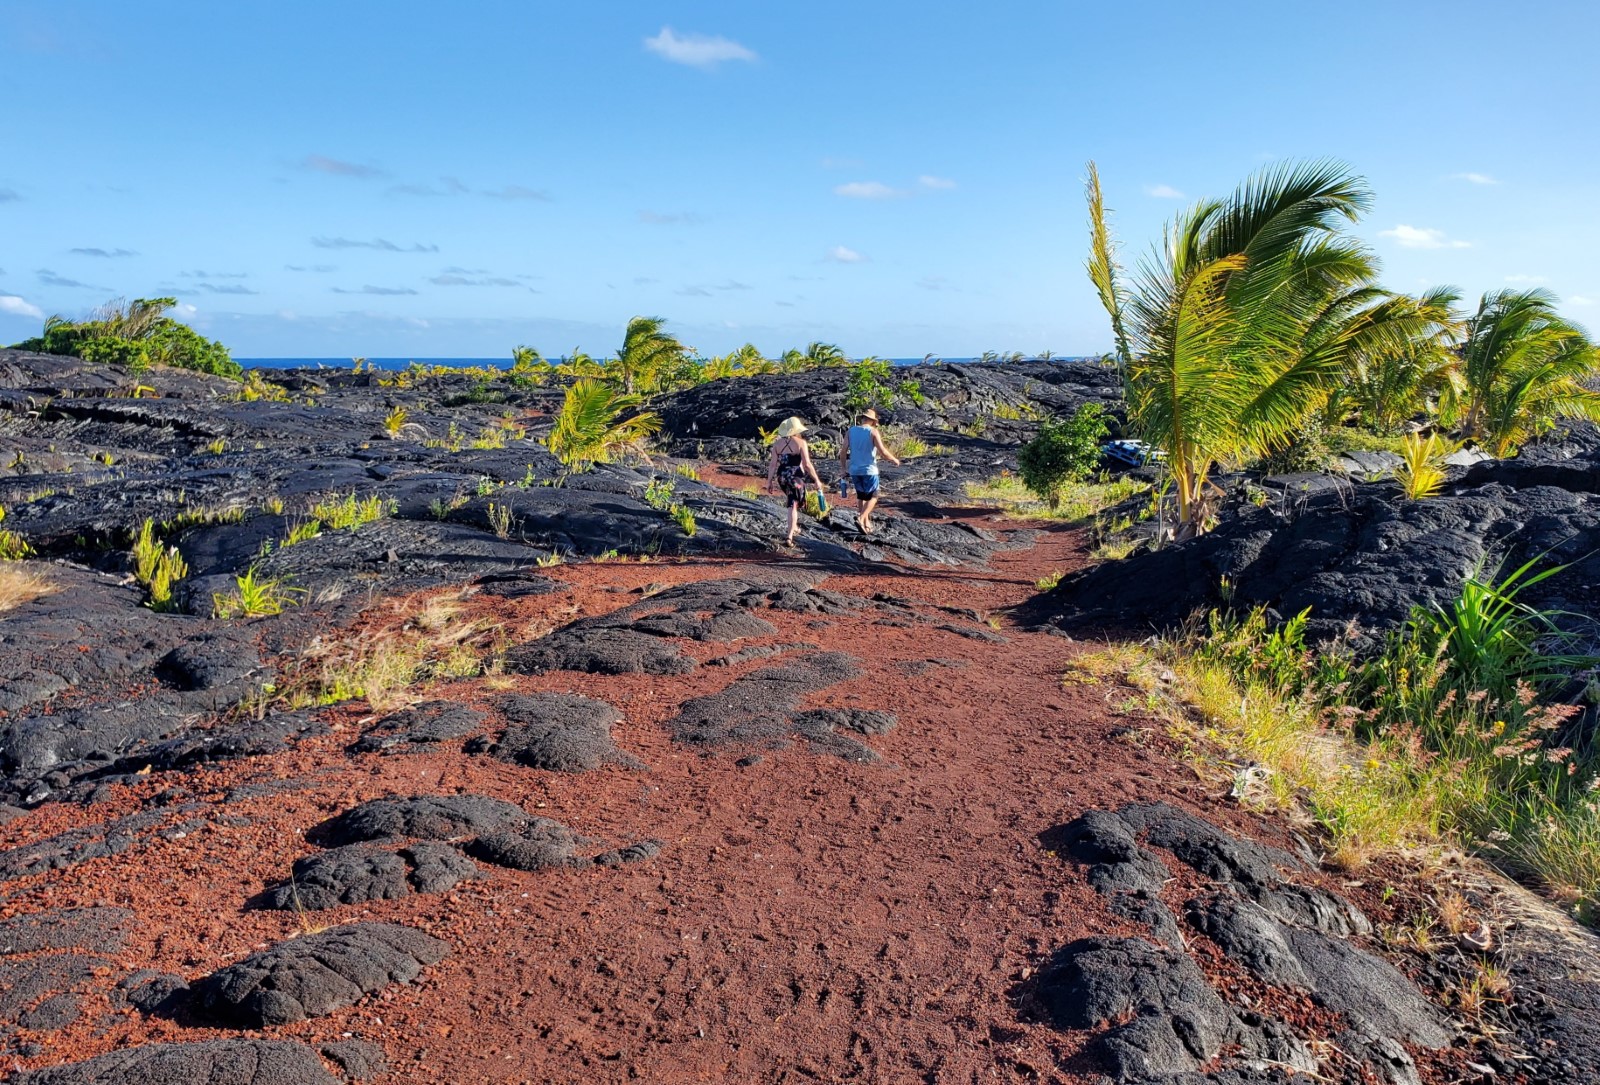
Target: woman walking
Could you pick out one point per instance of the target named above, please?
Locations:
(788, 467)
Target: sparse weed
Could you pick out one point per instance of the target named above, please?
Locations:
(395, 421)
(687, 470)
(548, 561)
(659, 494)
(157, 567)
(1077, 501)
(218, 446)
(13, 547)
(1049, 581)
(684, 518)
(254, 597)
(338, 513)
(500, 520)
(303, 531)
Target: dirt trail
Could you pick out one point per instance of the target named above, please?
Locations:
(809, 919)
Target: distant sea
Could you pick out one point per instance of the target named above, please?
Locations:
(502, 362)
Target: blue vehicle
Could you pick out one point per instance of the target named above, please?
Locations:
(1132, 453)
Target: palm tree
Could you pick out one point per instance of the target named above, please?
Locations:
(579, 365)
(793, 361)
(648, 355)
(824, 355)
(588, 430)
(1523, 366)
(1402, 361)
(1222, 340)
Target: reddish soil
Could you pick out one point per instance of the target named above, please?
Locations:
(810, 919)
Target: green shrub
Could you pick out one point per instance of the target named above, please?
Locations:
(658, 495)
(135, 334)
(1063, 451)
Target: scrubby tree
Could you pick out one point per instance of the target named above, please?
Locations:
(1064, 450)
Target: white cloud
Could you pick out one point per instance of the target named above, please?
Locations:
(927, 180)
(1526, 279)
(867, 190)
(1475, 178)
(10, 303)
(1163, 192)
(696, 50)
(1417, 237)
(841, 255)
(1576, 299)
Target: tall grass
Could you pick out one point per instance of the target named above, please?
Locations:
(1459, 728)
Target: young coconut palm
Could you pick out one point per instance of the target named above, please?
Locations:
(649, 356)
(1226, 340)
(588, 430)
(1408, 365)
(1523, 367)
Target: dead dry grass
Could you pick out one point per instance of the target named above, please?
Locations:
(22, 583)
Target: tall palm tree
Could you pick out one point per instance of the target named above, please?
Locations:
(648, 355)
(1523, 366)
(590, 430)
(1218, 338)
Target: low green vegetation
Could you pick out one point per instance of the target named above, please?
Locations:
(157, 567)
(870, 383)
(1461, 729)
(1063, 452)
(13, 547)
(136, 334)
(349, 511)
(1075, 501)
(661, 495)
(254, 597)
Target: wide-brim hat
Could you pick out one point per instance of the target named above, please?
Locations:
(790, 426)
(869, 413)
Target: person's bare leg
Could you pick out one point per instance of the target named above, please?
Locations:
(794, 521)
(866, 512)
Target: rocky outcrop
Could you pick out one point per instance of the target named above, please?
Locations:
(1166, 1018)
(210, 1062)
(1358, 560)
(316, 974)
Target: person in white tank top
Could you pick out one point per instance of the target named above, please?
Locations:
(858, 458)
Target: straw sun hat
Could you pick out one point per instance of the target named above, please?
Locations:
(790, 426)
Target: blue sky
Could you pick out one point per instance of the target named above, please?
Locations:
(400, 178)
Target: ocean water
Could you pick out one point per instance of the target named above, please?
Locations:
(502, 362)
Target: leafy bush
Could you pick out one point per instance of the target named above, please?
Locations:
(1062, 452)
(135, 334)
(869, 385)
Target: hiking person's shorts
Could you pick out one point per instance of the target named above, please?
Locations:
(866, 486)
